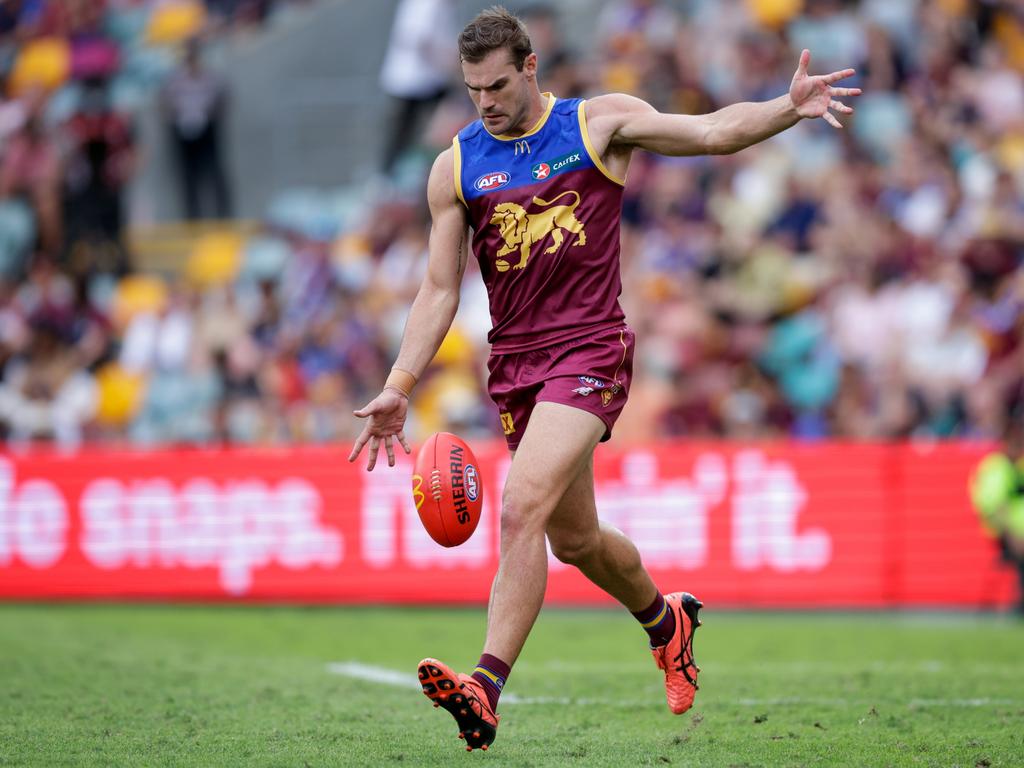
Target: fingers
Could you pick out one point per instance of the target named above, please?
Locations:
(374, 441)
(837, 76)
(844, 91)
(358, 447)
(371, 459)
(838, 106)
(805, 59)
(829, 118)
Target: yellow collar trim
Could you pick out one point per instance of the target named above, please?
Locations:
(536, 126)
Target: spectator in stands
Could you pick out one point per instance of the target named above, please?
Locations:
(636, 39)
(417, 70)
(195, 105)
(31, 169)
(45, 394)
(101, 162)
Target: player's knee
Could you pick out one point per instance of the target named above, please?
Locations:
(573, 548)
(523, 512)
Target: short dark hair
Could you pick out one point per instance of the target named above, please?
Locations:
(492, 30)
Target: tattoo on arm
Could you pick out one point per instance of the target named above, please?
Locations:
(461, 264)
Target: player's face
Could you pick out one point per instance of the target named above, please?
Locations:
(500, 92)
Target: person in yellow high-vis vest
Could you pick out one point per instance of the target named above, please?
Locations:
(997, 493)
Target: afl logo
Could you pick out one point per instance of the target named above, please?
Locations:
(491, 181)
(472, 483)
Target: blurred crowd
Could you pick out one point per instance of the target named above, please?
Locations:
(857, 284)
(74, 75)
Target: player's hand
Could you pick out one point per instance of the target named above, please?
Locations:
(385, 416)
(815, 96)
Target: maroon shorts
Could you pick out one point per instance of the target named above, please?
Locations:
(591, 373)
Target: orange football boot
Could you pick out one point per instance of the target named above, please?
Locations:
(465, 700)
(676, 656)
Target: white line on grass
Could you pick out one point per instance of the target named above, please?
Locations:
(912, 704)
(384, 676)
(837, 702)
(374, 674)
(983, 702)
(789, 668)
(769, 667)
(781, 701)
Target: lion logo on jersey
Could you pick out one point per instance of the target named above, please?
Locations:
(522, 230)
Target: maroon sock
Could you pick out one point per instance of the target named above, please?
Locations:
(491, 672)
(658, 621)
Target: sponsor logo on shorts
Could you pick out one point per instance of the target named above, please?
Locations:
(590, 381)
(608, 394)
(492, 180)
(472, 482)
(583, 390)
(506, 423)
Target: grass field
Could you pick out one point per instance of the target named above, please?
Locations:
(241, 686)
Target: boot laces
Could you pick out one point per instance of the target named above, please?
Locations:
(684, 660)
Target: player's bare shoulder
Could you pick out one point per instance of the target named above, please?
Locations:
(606, 114)
(441, 184)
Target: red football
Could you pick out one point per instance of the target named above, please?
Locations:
(447, 489)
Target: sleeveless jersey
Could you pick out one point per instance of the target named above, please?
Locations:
(545, 214)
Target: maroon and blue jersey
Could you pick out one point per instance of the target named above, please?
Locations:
(545, 215)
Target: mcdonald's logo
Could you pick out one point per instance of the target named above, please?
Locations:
(522, 147)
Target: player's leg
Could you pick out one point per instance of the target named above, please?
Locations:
(602, 552)
(556, 445)
(609, 559)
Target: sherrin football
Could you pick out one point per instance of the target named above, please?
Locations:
(447, 489)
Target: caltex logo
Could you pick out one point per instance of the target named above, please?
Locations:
(567, 162)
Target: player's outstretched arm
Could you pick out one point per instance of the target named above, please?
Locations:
(429, 319)
(631, 122)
